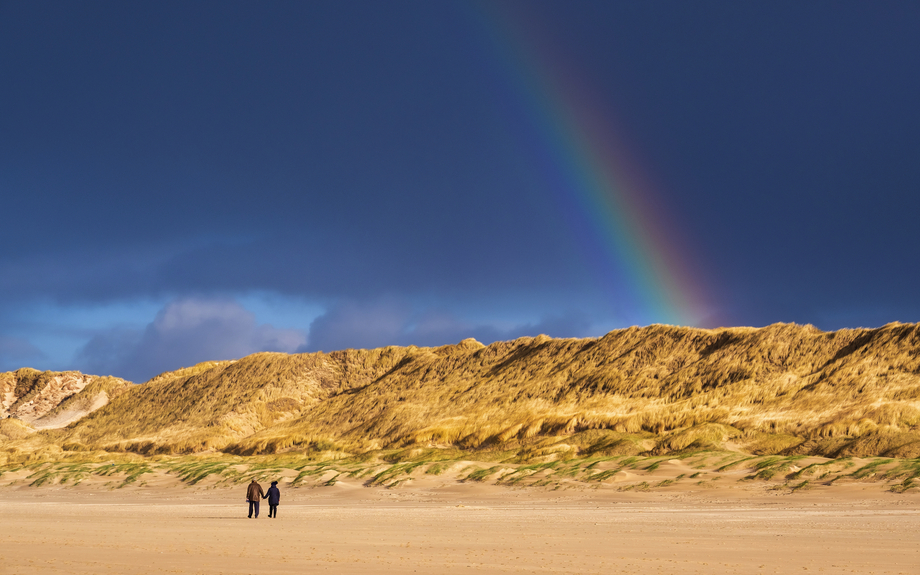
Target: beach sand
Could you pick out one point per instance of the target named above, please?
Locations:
(451, 527)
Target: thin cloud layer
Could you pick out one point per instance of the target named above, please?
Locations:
(370, 324)
(184, 332)
(192, 330)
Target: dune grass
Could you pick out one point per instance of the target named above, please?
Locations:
(222, 470)
(737, 394)
(74, 472)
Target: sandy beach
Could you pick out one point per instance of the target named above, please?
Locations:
(458, 528)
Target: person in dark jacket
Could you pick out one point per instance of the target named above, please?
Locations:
(274, 497)
(254, 494)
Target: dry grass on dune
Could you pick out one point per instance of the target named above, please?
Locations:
(393, 468)
(769, 390)
(205, 409)
(13, 429)
(654, 390)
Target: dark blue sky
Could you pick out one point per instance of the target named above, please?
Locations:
(190, 181)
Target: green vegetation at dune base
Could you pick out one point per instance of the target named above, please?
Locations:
(387, 469)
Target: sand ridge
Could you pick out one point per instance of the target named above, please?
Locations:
(783, 389)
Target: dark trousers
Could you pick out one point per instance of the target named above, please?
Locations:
(254, 505)
(272, 510)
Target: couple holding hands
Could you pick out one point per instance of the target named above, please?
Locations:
(254, 495)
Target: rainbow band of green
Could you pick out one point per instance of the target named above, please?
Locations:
(600, 182)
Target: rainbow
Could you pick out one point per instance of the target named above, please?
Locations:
(603, 189)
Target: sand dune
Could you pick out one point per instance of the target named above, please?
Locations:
(658, 390)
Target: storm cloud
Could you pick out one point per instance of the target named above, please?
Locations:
(420, 174)
(14, 351)
(185, 332)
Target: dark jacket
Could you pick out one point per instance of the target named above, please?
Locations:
(274, 495)
(254, 492)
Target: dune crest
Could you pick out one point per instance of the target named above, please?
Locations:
(656, 390)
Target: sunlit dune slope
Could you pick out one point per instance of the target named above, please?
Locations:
(658, 389)
(210, 405)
